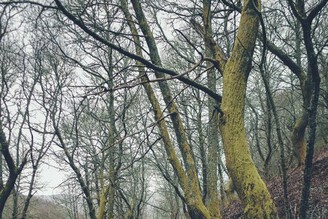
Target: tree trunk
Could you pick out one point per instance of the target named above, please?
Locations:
(314, 80)
(298, 137)
(103, 197)
(188, 178)
(247, 181)
(298, 132)
(14, 170)
(30, 193)
(212, 196)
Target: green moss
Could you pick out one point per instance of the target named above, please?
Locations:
(249, 185)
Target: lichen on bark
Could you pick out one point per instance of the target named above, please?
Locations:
(250, 187)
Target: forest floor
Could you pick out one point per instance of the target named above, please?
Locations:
(318, 208)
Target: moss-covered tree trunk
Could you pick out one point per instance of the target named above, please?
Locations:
(301, 123)
(103, 197)
(298, 132)
(187, 174)
(107, 195)
(298, 137)
(250, 187)
(212, 196)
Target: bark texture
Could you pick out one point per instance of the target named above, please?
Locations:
(212, 196)
(250, 187)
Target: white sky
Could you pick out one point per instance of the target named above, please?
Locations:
(51, 178)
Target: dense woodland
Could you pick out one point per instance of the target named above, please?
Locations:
(163, 108)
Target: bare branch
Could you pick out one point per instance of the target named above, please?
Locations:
(147, 63)
(29, 2)
(314, 11)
